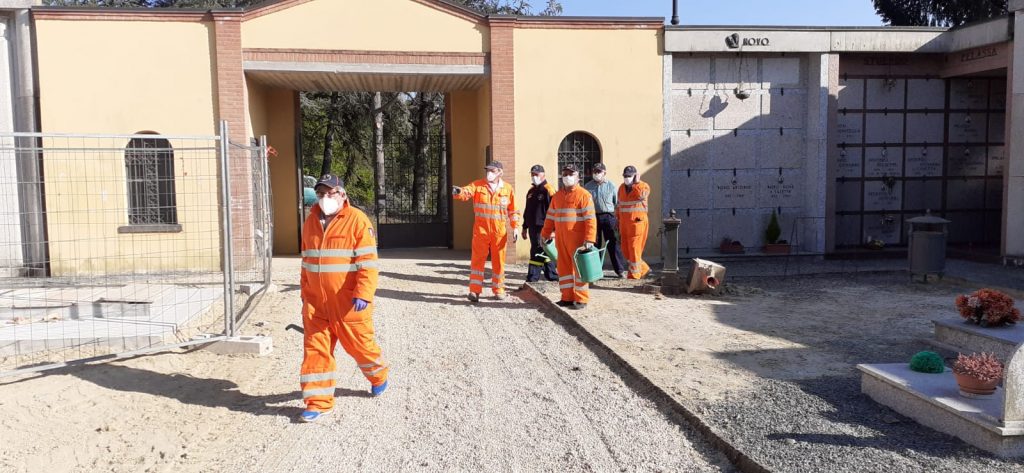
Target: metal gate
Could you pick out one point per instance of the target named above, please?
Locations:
(412, 195)
(912, 144)
(119, 245)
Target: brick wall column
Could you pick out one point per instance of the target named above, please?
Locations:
(503, 113)
(230, 93)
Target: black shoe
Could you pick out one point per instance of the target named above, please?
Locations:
(473, 297)
(553, 278)
(620, 275)
(578, 306)
(564, 303)
(532, 280)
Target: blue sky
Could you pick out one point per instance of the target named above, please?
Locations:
(735, 12)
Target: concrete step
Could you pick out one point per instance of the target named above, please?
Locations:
(934, 400)
(970, 338)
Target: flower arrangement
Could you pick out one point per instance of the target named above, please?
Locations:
(983, 366)
(988, 308)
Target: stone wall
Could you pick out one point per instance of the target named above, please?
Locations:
(733, 161)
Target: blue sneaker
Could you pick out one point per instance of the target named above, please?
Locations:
(313, 416)
(378, 390)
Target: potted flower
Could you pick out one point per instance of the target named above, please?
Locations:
(730, 247)
(988, 308)
(773, 245)
(977, 374)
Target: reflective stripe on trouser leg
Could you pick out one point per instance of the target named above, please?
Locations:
(358, 340)
(477, 262)
(316, 377)
(497, 247)
(566, 280)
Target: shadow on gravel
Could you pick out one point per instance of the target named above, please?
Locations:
(426, 279)
(208, 392)
(449, 299)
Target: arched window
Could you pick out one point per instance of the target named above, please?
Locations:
(149, 168)
(581, 149)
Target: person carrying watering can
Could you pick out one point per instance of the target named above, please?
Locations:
(538, 199)
(496, 221)
(573, 223)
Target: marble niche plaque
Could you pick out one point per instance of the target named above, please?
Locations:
(848, 162)
(883, 227)
(994, 193)
(923, 195)
(882, 162)
(997, 95)
(850, 128)
(926, 94)
(851, 93)
(996, 160)
(848, 197)
(884, 128)
(968, 94)
(966, 161)
(965, 193)
(885, 93)
(967, 127)
(924, 162)
(925, 127)
(781, 190)
(996, 127)
(848, 230)
(879, 196)
(730, 191)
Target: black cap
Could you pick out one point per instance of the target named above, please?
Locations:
(537, 168)
(570, 167)
(629, 171)
(329, 180)
(599, 167)
(495, 165)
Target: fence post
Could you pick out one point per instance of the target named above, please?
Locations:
(268, 211)
(226, 257)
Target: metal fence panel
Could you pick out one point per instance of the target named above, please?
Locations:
(112, 245)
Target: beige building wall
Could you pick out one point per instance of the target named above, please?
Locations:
(606, 82)
(378, 25)
(274, 112)
(149, 76)
(470, 125)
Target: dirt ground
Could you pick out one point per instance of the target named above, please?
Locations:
(770, 365)
(490, 387)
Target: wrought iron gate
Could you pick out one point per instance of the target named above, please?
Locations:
(413, 202)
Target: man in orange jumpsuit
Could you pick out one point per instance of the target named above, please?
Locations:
(494, 208)
(633, 224)
(339, 278)
(573, 221)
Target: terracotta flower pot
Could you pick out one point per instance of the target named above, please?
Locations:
(777, 248)
(971, 386)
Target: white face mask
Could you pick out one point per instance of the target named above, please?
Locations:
(536, 180)
(628, 180)
(492, 176)
(569, 181)
(599, 177)
(329, 205)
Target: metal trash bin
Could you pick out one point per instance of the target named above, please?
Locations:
(927, 245)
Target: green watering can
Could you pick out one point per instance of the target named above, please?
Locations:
(590, 264)
(551, 250)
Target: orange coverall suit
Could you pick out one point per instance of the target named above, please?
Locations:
(572, 219)
(493, 211)
(338, 264)
(633, 227)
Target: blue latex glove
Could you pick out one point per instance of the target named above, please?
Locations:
(359, 304)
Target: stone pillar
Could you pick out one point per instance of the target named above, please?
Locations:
(823, 70)
(503, 103)
(1013, 184)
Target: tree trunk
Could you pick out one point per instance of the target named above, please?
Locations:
(442, 169)
(332, 110)
(378, 145)
(421, 150)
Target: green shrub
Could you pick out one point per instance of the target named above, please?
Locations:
(774, 231)
(927, 362)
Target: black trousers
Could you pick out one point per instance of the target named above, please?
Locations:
(539, 264)
(607, 226)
